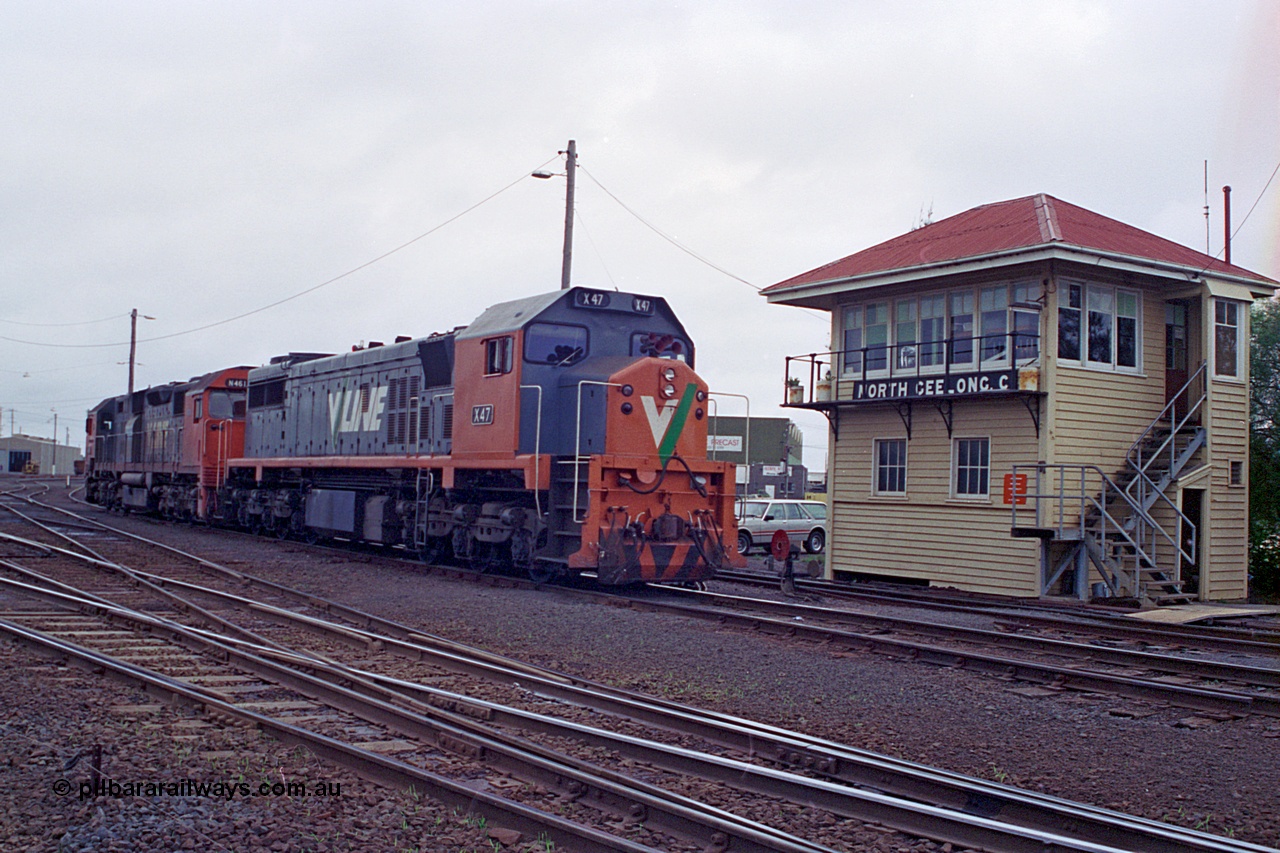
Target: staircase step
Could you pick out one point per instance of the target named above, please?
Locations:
(1173, 598)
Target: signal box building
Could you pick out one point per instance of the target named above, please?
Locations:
(1030, 398)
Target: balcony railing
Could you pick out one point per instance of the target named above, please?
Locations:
(943, 368)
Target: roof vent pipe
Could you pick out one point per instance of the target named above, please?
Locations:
(1226, 223)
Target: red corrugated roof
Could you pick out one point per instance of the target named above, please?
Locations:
(1005, 226)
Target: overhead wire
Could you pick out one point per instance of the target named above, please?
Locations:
(300, 293)
(690, 252)
(665, 236)
(582, 222)
(1257, 200)
(63, 325)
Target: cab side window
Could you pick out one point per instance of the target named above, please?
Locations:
(497, 356)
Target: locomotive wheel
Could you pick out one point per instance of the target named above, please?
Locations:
(543, 571)
(435, 550)
(282, 529)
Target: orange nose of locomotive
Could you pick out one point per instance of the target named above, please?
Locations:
(660, 510)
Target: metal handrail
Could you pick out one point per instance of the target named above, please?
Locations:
(577, 443)
(715, 431)
(1148, 485)
(1083, 499)
(537, 452)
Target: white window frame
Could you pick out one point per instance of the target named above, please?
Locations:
(854, 311)
(877, 466)
(1026, 300)
(935, 348)
(956, 468)
(971, 363)
(499, 355)
(1241, 313)
(886, 307)
(1114, 295)
(1001, 357)
(904, 354)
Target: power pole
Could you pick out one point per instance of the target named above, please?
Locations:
(133, 343)
(54, 468)
(571, 165)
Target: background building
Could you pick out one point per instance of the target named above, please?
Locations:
(776, 446)
(17, 450)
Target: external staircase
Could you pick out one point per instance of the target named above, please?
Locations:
(1126, 525)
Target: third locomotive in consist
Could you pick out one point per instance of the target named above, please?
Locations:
(556, 434)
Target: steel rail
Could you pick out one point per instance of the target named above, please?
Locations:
(1223, 638)
(957, 793)
(454, 717)
(376, 768)
(915, 818)
(140, 579)
(1209, 669)
(1195, 698)
(832, 760)
(611, 793)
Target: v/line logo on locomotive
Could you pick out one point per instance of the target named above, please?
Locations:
(356, 410)
(667, 424)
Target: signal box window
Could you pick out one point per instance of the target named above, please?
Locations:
(497, 356)
(1226, 338)
(555, 344)
(1098, 326)
(1026, 322)
(891, 466)
(972, 461)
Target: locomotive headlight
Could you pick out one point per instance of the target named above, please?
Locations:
(668, 390)
(669, 375)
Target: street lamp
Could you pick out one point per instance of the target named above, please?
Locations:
(133, 347)
(571, 165)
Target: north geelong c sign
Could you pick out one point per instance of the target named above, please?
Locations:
(917, 387)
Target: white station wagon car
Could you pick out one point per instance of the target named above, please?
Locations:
(760, 518)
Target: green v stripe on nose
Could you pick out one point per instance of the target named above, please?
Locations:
(672, 435)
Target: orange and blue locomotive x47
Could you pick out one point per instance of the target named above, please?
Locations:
(555, 435)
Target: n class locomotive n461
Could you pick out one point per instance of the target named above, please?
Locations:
(556, 434)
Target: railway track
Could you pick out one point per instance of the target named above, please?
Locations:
(851, 784)
(1188, 682)
(1108, 621)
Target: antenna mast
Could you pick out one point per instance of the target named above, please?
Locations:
(1206, 208)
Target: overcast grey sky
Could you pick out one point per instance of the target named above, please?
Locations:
(201, 160)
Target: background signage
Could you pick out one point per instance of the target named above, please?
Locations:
(724, 444)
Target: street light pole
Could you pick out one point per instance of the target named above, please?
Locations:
(570, 172)
(571, 165)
